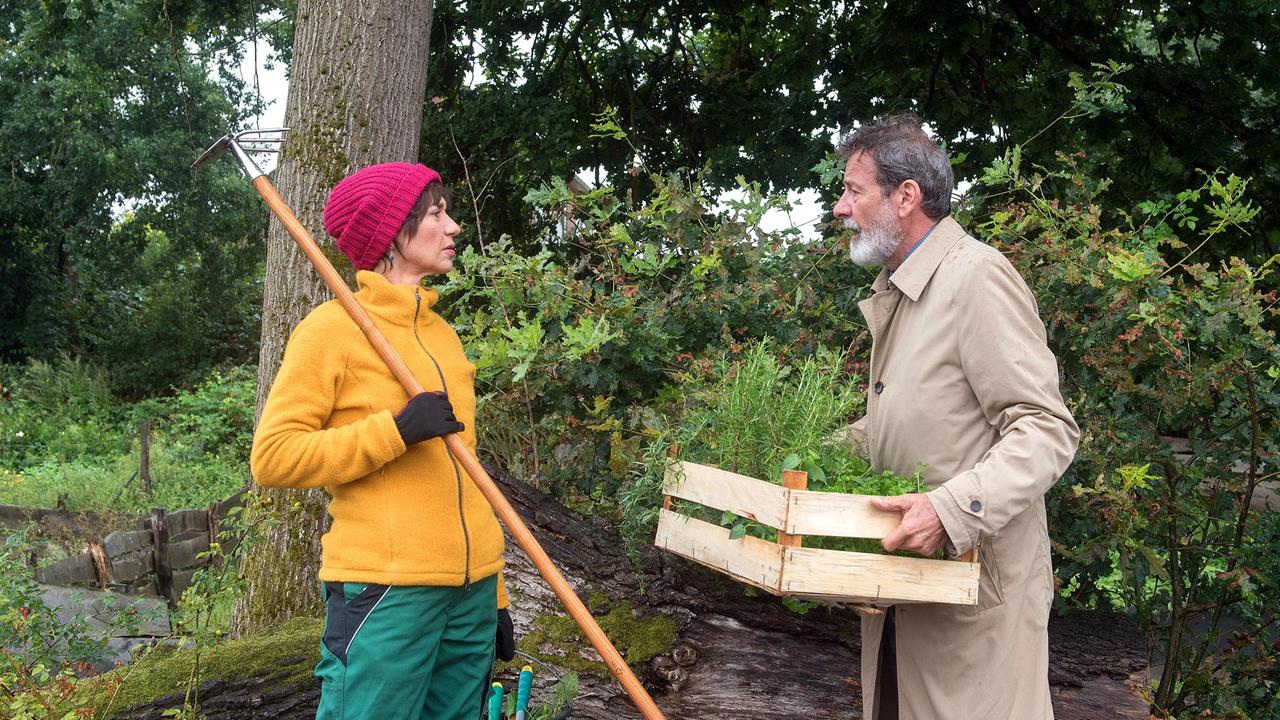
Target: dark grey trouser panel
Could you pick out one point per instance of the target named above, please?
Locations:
(885, 706)
(343, 618)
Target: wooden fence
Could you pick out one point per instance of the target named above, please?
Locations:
(157, 557)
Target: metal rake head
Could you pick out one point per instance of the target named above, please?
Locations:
(241, 144)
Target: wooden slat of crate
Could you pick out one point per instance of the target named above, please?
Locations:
(867, 577)
(752, 560)
(720, 489)
(838, 515)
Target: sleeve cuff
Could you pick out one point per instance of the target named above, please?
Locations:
(392, 442)
(960, 507)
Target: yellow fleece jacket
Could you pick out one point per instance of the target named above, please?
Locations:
(400, 516)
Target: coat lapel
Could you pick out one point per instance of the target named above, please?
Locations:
(915, 273)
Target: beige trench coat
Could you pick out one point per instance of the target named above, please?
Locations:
(962, 380)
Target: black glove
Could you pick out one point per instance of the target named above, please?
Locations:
(425, 416)
(506, 644)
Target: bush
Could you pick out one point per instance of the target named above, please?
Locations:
(216, 418)
(62, 409)
(580, 345)
(178, 480)
(1153, 344)
(69, 443)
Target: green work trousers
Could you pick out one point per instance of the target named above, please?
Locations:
(406, 652)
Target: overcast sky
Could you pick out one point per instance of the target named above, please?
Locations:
(274, 88)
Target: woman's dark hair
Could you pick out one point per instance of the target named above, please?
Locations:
(433, 194)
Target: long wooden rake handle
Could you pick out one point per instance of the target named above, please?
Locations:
(501, 507)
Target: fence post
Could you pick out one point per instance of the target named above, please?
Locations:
(144, 462)
(164, 570)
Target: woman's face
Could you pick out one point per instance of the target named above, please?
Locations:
(430, 250)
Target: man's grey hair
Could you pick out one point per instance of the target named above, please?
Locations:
(902, 151)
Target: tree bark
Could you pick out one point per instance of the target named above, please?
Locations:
(735, 655)
(355, 98)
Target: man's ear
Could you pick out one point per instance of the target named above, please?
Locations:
(907, 198)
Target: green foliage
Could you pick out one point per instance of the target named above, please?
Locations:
(43, 653)
(66, 441)
(204, 611)
(580, 343)
(215, 418)
(27, 624)
(1154, 342)
(758, 416)
(288, 652)
(755, 89)
(179, 480)
(184, 296)
(564, 691)
(59, 410)
(47, 654)
(110, 246)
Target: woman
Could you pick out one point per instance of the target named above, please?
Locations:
(411, 563)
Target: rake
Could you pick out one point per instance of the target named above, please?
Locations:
(268, 140)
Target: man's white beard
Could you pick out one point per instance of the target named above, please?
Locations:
(875, 244)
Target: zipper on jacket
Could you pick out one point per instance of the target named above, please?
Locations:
(457, 474)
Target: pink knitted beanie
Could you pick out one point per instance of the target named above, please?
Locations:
(368, 208)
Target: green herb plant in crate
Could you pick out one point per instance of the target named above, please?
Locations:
(756, 413)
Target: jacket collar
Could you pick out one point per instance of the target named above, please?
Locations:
(395, 304)
(914, 274)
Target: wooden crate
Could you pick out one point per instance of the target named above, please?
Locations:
(786, 567)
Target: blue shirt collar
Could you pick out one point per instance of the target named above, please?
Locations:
(916, 246)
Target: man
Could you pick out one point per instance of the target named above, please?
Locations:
(962, 381)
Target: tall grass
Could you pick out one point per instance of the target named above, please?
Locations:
(66, 441)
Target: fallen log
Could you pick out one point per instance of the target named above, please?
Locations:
(703, 644)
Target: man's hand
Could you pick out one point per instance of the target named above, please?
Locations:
(920, 531)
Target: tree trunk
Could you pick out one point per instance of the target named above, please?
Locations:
(732, 655)
(71, 279)
(356, 90)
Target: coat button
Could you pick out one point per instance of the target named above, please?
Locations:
(976, 505)
(879, 387)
